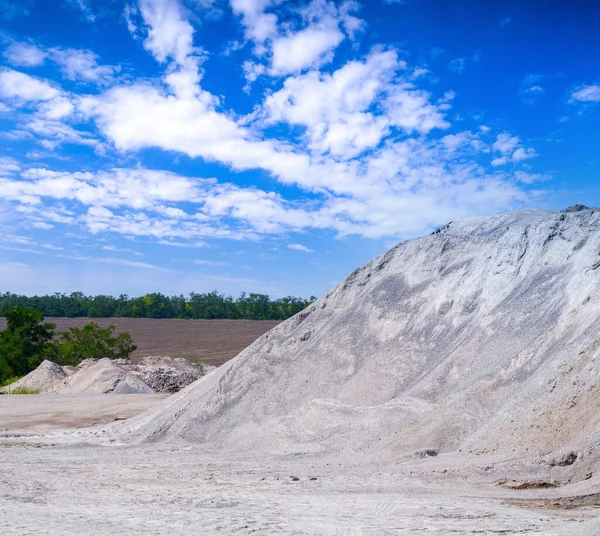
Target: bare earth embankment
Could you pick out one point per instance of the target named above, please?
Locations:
(211, 341)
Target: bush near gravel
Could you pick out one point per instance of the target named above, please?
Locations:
(22, 390)
(24, 343)
(28, 340)
(92, 342)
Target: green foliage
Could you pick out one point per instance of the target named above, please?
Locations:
(28, 340)
(25, 342)
(197, 305)
(10, 380)
(92, 341)
(22, 390)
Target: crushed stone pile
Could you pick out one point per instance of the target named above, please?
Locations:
(102, 377)
(481, 338)
(160, 374)
(47, 374)
(165, 374)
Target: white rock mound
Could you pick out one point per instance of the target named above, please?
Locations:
(47, 374)
(101, 377)
(482, 337)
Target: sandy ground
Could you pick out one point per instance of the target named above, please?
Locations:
(168, 489)
(47, 412)
(178, 488)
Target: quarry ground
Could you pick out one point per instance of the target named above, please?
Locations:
(178, 489)
(49, 412)
(211, 341)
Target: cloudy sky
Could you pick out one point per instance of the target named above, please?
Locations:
(275, 145)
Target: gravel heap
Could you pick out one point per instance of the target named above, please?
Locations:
(480, 338)
(165, 374)
(160, 374)
(102, 377)
(47, 374)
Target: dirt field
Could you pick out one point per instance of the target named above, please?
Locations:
(48, 412)
(211, 341)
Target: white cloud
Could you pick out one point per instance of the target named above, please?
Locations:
(25, 55)
(259, 25)
(505, 143)
(170, 35)
(319, 27)
(362, 143)
(205, 262)
(523, 154)
(586, 94)
(42, 225)
(310, 47)
(25, 88)
(56, 108)
(458, 65)
(337, 109)
(300, 247)
(129, 13)
(8, 166)
(78, 65)
(530, 178)
(85, 9)
(81, 65)
(510, 150)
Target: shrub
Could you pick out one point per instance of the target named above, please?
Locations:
(24, 343)
(28, 340)
(10, 380)
(22, 390)
(92, 341)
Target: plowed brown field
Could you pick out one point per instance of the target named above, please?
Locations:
(211, 341)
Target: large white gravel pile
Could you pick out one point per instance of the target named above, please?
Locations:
(480, 338)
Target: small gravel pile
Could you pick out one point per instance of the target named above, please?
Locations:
(43, 377)
(154, 374)
(165, 374)
(102, 377)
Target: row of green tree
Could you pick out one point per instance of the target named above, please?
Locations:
(28, 340)
(206, 305)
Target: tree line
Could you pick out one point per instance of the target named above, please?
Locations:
(211, 305)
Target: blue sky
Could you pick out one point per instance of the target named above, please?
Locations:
(273, 146)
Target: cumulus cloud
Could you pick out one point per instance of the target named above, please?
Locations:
(24, 55)
(25, 88)
(320, 26)
(76, 65)
(510, 150)
(259, 25)
(337, 109)
(310, 47)
(586, 94)
(82, 65)
(370, 151)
